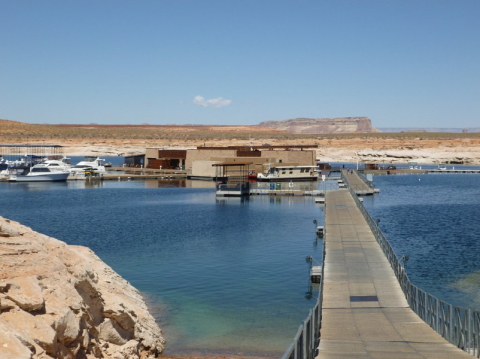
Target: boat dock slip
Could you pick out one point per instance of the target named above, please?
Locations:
(364, 311)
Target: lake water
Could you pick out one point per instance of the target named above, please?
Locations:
(229, 276)
(434, 219)
(221, 276)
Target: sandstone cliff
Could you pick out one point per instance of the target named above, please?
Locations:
(61, 301)
(323, 125)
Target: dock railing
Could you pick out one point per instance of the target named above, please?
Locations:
(306, 341)
(460, 326)
(363, 178)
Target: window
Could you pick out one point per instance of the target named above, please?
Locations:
(40, 169)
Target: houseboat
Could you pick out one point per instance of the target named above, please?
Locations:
(288, 173)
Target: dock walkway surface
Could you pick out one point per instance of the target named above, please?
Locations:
(357, 184)
(364, 312)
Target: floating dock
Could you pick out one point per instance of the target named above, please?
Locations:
(359, 186)
(364, 311)
(419, 171)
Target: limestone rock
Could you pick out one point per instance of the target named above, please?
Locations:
(26, 293)
(34, 327)
(61, 301)
(11, 346)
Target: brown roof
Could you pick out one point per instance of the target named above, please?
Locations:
(231, 164)
(259, 147)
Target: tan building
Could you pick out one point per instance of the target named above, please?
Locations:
(199, 161)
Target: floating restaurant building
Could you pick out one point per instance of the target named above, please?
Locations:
(199, 161)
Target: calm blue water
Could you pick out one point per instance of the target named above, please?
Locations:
(435, 221)
(221, 276)
(229, 276)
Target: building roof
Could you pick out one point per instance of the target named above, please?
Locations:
(232, 164)
(246, 148)
(296, 166)
(31, 146)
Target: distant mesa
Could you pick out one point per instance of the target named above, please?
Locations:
(323, 125)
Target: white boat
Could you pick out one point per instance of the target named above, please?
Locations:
(40, 173)
(58, 164)
(288, 173)
(89, 163)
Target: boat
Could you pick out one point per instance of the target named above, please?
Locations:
(252, 176)
(58, 163)
(39, 173)
(89, 163)
(288, 173)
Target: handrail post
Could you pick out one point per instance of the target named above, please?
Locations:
(468, 337)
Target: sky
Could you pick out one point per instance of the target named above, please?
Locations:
(405, 63)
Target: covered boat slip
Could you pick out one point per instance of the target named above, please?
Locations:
(19, 151)
(364, 312)
(232, 179)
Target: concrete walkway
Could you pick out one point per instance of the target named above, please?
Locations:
(365, 314)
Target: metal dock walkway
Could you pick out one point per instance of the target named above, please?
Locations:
(360, 187)
(364, 312)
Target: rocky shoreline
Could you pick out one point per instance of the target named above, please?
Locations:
(62, 301)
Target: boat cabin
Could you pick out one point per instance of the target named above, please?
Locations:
(286, 173)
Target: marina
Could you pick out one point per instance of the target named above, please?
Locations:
(307, 197)
(240, 180)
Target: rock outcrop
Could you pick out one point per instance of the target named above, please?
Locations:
(323, 125)
(62, 301)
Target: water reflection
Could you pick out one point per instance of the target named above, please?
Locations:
(39, 186)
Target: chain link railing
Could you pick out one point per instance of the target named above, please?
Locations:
(306, 341)
(460, 326)
(364, 179)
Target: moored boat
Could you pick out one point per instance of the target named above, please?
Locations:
(58, 163)
(89, 163)
(289, 173)
(39, 173)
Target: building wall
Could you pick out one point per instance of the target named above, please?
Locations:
(134, 161)
(306, 158)
(206, 155)
(257, 162)
(151, 153)
(203, 169)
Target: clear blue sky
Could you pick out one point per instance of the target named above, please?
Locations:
(402, 63)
